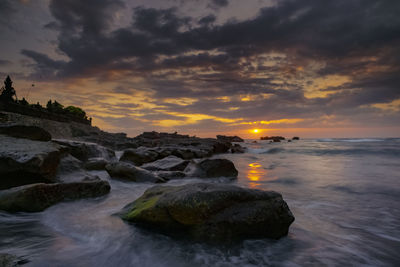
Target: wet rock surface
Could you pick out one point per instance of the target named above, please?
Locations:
(28, 132)
(212, 168)
(85, 150)
(211, 212)
(96, 164)
(129, 172)
(38, 197)
(170, 163)
(23, 161)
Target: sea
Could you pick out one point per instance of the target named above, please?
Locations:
(344, 194)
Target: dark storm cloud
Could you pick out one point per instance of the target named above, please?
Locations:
(218, 3)
(7, 9)
(355, 38)
(5, 62)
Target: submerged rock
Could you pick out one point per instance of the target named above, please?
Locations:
(273, 138)
(212, 168)
(28, 132)
(170, 163)
(24, 161)
(129, 172)
(216, 212)
(38, 197)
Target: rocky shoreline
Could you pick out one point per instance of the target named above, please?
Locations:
(45, 162)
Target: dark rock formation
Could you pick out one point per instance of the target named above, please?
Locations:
(38, 197)
(170, 163)
(273, 138)
(212, 168)
(236, 148)
(225, 138)
(211, 212)
(24, 161)
(85, 150)
(27, 132)
(129, 172)
(296, 138)
(139, 156)
(96, 164)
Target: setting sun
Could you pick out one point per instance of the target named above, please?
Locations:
(256, 131)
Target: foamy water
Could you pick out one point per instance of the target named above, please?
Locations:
(344, 193)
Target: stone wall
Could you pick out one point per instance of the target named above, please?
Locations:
(43, 114)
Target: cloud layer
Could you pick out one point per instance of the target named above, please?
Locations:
(300, 64)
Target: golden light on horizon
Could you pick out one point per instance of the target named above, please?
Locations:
(255, 131)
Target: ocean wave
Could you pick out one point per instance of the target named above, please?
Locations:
(355, 151)
(265, 150)
(355, 140)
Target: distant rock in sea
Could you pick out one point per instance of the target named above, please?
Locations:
(273, 138)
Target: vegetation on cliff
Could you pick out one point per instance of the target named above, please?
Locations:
(8, 96)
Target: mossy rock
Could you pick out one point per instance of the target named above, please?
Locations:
(213, 212)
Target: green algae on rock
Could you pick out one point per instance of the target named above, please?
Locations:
(211, 212)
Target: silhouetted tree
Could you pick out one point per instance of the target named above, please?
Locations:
(49, 105)
(7, 92)
(23, 102)
(57, 107)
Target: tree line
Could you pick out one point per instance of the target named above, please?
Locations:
(8, 95)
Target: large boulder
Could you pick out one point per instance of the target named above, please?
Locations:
(27, 132)
(216, 212)
(24, 161)
(69, 164)
(139, 156)
(212, 168)
(170, 163)
(96, 164)
(129, 172)
(38, 197)
(221, 147)
(86, 150)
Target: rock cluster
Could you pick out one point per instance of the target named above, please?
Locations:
(273, 138)
(37, 171)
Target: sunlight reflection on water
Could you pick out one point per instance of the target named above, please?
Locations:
(255, 172)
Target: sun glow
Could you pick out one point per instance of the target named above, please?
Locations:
(255, 131)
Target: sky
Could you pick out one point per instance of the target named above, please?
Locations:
(308, 68)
